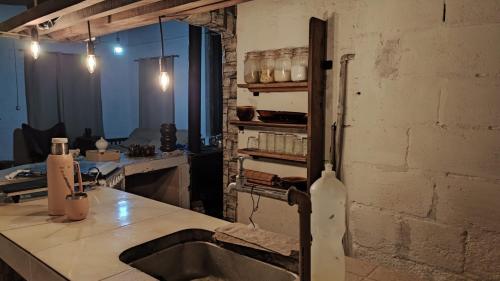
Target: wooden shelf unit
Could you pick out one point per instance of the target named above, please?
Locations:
(257, 88)
(315, 88)
(272, 155)
(264, 125)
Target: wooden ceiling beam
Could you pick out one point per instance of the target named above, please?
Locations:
(45, 11)
(99, 10)
(16, 2)
(116, 23)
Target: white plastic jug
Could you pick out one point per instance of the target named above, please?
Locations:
(328, 196)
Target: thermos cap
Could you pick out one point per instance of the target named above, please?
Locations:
(59, 140)
(59, 146)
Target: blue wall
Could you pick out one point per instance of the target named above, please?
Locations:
(10, 118)
(119, 76)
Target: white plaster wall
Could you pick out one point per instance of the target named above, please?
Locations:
(422, 146)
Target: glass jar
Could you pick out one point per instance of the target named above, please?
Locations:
(300, 60)
(289, 140)
(304, 146)
(263, 141)
(253, 143)
(283, 65)
(280, 143)
(271, 142)
(252, 67)
(267, 66)
(297, 146)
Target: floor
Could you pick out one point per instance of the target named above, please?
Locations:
(358, 270)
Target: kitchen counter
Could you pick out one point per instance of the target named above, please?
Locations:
(40, 247)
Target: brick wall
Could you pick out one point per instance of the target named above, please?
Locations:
(223, 21)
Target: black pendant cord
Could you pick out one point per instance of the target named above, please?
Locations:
(161, 37)
(88, 27)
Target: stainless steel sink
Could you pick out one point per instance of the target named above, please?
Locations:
(189, 255)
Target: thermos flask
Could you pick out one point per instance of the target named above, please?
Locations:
(60, 174)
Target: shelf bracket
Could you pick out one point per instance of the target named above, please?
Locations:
(326, 64)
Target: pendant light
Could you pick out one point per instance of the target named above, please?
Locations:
(164, 78)
(35, 44)
(118, 49)
(91, 59)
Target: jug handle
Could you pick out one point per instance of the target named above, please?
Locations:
(80, 183)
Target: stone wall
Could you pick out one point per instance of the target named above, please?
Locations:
(422, 142)
(422, 150)
(223, 21)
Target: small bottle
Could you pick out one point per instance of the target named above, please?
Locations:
(328, 198)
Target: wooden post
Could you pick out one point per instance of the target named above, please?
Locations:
(194, 106)
(316, 104)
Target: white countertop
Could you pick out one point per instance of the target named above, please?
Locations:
(41, 247)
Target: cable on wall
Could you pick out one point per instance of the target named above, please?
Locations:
(18, 107)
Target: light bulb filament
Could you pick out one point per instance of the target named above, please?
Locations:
(164, 81)
(91, 63)
(35, 49)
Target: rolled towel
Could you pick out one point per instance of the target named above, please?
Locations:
(240, 234)
(261, 177)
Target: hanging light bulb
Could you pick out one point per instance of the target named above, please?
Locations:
(118, 49)
(35, 44)
(91, 59)
(164, 78)
(91, 63)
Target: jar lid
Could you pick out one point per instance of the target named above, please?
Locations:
(301, 50)
(285, 51)
(253, 54)
(269, 53)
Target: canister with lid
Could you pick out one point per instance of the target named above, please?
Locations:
(252, 67)
(267, 63)
(300, 60)
(283, 65)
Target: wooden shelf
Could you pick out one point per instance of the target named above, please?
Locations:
(276, 87)
(264, 125)
(271, 155)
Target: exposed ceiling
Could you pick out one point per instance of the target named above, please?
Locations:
(68, 18)
(27, 3)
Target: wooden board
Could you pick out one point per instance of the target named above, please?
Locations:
(264, 125)
(316, 104)
(108, 155)
(99, 10)
(43, 12)
(142, 16)
(272, 155)
(276, 87)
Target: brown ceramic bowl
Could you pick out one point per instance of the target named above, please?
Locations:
(245, 113)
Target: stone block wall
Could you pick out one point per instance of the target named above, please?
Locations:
(422, 146)
(223, 21)
(422, 137)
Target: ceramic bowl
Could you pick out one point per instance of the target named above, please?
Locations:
(245, 113)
